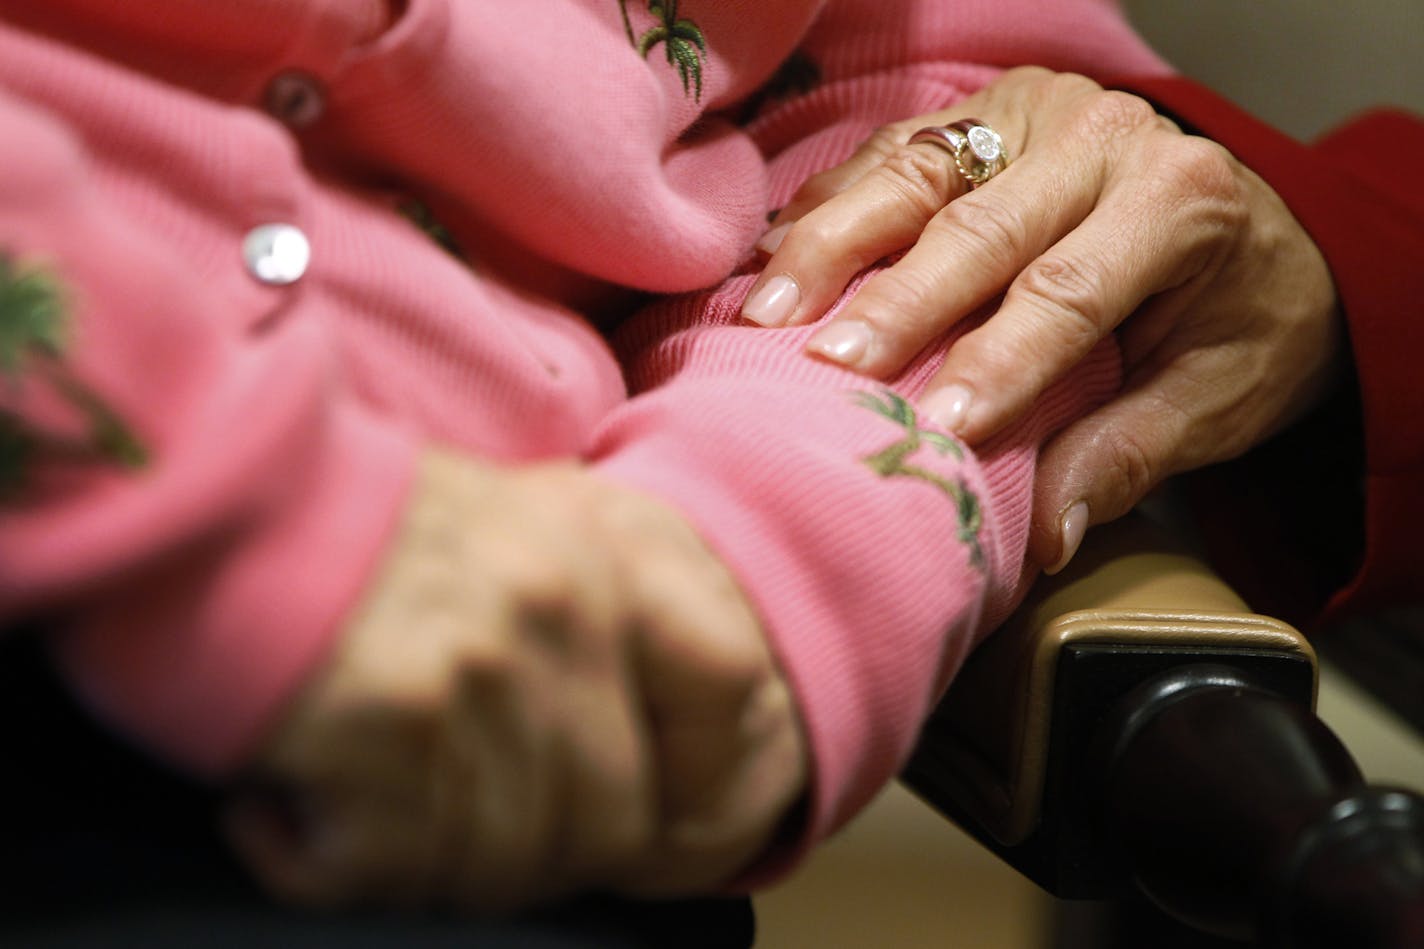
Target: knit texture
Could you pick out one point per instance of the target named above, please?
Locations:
(567, 166)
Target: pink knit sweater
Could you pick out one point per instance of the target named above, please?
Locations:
(141, 142)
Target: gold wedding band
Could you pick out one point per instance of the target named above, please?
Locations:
(978, 151)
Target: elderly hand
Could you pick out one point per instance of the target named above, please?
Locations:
(1107, 211)
(553, 686)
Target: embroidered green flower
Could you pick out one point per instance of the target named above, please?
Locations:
(31, 316)
(683, 42)
(32, 336)
(894, 461)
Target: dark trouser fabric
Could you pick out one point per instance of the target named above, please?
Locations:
(99, 848)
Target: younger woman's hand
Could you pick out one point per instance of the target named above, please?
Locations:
(1107, 219)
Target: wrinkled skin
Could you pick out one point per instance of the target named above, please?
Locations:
(552, 686)
(1108, 219)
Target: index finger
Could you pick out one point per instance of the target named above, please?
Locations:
(888, 192)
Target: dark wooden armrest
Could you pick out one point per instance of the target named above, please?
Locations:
(1136, 725)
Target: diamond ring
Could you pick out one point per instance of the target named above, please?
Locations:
(978, 151)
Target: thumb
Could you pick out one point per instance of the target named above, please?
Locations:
(1099, 468)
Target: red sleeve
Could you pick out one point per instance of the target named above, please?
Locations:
(1359, 194)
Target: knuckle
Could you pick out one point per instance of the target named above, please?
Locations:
(817, 230)
(923, 176)
(1201, 167)
(887, 138)
(1066, 86)
(1012, 360)
(1130, 464)
(719, 654)
(991, 220)
(479, 672)
(996, 362)
(542, 590)
(904, 308)
(897, 297)
(1033, 74)
(735, 654)
(1071, 292)
(1114, 114)
(988, 353)
(995, 230)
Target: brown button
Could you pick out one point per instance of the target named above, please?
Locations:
(296, 99)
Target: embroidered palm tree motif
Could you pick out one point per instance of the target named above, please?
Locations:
(681, 38)
(418, 213)
(894, 461)
(32, 337)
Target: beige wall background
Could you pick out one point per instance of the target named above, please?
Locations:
(1302, 64)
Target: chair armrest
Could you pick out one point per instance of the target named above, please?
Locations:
(1134, 725)
(1131, 598)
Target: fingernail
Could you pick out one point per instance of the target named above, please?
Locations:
(774, 303)
(1072, 526)
(845, 342)
(948, 407)
(772, 239)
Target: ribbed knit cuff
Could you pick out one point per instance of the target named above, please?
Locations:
(860, 571)
(198, 658)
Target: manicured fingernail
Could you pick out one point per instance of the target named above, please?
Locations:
(845, 342)
(1071, 527)
(772, 239)
(948, 407)
(774, 303)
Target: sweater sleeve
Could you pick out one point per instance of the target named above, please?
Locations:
(1357, 193)
(198, 587)
(876, 550)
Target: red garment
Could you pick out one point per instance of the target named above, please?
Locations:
(1288, 519)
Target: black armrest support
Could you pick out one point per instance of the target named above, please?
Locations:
(1137, 726)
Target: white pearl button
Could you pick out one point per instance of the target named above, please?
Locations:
(276, 254)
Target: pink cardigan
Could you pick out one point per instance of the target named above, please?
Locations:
(142, 142)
